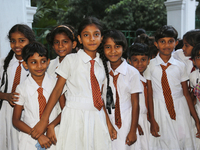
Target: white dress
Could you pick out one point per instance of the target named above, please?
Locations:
(174, 134)
(53, 65)
(128, 83)
(8, 133)
(29, 100)
(143, 122)
(82, 126)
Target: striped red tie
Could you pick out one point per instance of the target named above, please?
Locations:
(96, 93)
(118, 120)
(41, 100)
(167, 92)
(17, 77)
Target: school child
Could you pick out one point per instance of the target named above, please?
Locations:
(33, 95)
(139, 57)
(11, 74)
(124, 81)
(63, 40)
(169, 101)
(194, 83)
(190, 39)
(84, 123)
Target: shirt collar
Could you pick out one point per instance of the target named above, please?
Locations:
(34, 86)
(122, 68)
(159, 60)
(143, 79)
(86, 58)
(15, 60)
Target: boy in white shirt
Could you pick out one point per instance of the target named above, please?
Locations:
(33, 101)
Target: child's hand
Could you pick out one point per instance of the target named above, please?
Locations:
(198, 130)
(51, 134)
(38, 129)
(112, 132)
(131, 138)
(12, 98)
(140, 130)
(154, 128)
(44, 141)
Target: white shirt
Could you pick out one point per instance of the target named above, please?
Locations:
(76, 69)
(176, 73)
(143, 108)
(179, 55)
(52, 66)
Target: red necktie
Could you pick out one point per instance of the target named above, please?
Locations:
(167, 93)
(118, 121)
(96, 93)
(145, 95)
(41, 100)
(17, 77)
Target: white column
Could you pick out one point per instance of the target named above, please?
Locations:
(181, 15)
(13, 12)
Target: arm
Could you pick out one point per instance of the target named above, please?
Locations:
(154, 125)
(42, 124)
(132, 137)
(62, 101)
(191, 106)
(111, 129)
(10, 97)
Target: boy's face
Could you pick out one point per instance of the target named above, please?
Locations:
(140, 62)
(196, 61)
(37, 65)
(166, 45)
(187, 48)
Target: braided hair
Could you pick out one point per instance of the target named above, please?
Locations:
(28, 33)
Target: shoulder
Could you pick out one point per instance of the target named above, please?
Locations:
(179, 63)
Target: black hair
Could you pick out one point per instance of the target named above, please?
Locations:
(32, 48)
(66, 29)
(138, 49)
(142, 38)
(192, 37)
(140, 31)
(28, 33)
(118, 37)
(195, 51)
(179, 45)
(166, 31)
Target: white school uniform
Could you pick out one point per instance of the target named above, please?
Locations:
(82, 126)
(28, 98)
(8, 133)
(54, 63)
(179, 55)
(128, 83)
(194, 79)
(143, 122)
(174, 134)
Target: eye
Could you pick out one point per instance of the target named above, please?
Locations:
(43, 61)
(106, 47)
(33, 62)
(134, 60)
(21, 41)
(198, 57)
(117, 46)
(143, 59)
(12, 41)
(65, 41)
(55, 42)
(86, 35)
(162, 41)
(171, 41)
(96, 34)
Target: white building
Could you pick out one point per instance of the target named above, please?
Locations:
(13, 12)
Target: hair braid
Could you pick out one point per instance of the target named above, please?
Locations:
(109, 94)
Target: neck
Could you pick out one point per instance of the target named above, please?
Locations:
(92, 54)
(39, 79)
(115, 65)
(18, 57)
(61, 58)
(165, 58)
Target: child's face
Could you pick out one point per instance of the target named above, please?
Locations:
(17, 43)
(166, 45)
(140, 62)
(90, 38)
(63, 45)
(196, 61)
(113, 52)
(187, 48)
(37, 65)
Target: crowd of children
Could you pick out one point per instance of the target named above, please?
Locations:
(103, 96)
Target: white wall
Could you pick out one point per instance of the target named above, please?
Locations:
(13, 12)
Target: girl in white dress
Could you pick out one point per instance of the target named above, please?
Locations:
(82, 126)
(125, 92)
(139, 57)
(171, 122)
(63, 41)
(19, 35)
(195, 83)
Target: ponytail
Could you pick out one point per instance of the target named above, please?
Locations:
(109, 94)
